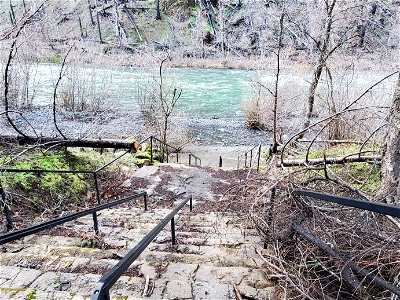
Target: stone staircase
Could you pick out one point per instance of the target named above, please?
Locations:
(213, 251)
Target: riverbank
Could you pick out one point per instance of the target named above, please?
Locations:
(122, 124)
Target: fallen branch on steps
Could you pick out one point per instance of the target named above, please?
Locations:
(237, 292)
(57, 142)
(329, 160)
(375, 278)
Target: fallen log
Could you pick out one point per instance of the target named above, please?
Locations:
(329, 160)
(331, 141)
(58, 142)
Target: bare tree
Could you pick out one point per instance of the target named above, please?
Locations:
(390, 185)
(11, 55)
(275, 94)
(323, 56)
(158, 103)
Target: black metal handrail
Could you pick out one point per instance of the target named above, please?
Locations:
(41, 171)
(165, 148)
(382, 208)
(103, 286)
(15, 235)
(257, 154)
(196, 158)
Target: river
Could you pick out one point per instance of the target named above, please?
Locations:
(210, 106)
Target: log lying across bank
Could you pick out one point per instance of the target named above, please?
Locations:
(58, 142)
(329, 160)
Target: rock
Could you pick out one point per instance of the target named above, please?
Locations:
(127, 183)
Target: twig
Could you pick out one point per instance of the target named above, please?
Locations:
(346, 109)
(236, 290)
(60, 76)
(146, 286)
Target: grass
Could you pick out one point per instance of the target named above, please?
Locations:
(338, 150)
(55, 59)
(362, 176)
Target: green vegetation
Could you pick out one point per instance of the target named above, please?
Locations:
(12, 291)
(71, 186)
(339, 150)
(363, 176)
(40, 191)
(31, 295)
(56, 59)
(87, 243)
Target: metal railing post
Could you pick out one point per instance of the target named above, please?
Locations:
(173, 231)
(191, 203)
(259, 156)
(151, 149)
(6, 209)
(145, 201)
(96, 186)
(107, 281)
(190, 159)
(162, 152)
(95, 223)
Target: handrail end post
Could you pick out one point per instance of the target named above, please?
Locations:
(95, 223)
(96, 186)
(173, 231)
(151, 149)
(100, 293)
(145, 201)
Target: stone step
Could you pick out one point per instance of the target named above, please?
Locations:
(18, 283)
(213, 250)
(52, 257)
(178, 280)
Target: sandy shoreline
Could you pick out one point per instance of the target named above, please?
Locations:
(232, 156)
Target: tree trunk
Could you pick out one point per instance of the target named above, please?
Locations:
(323, 56)
(274, 148)
(90, 13)
(99, 28)
(389, 190)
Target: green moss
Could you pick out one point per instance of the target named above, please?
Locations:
(41, 185)
(87, 243)
(143, 155)
(31, 295)
(364, 176)
(335, 151)
(56, 59)
(12, 291)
